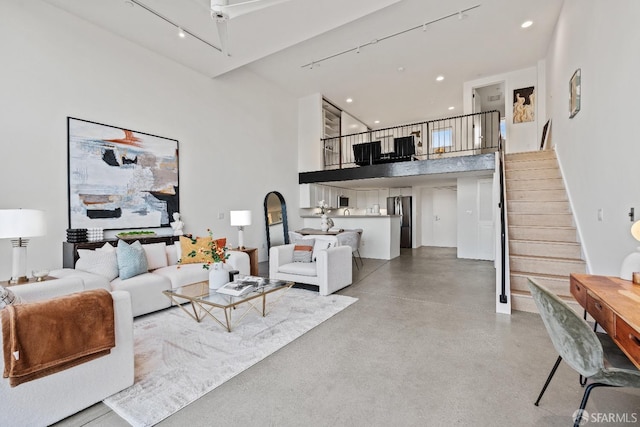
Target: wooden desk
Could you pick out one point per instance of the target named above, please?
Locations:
(615, 304)
(253, 259)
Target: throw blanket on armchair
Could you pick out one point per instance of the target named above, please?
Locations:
(45, 337)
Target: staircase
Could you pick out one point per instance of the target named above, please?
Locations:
(543, 241)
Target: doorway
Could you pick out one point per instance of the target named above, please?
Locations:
(489, 98)
(445, 217)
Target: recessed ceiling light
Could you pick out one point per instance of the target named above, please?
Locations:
(181, 33)
(440, 78)
(526, 24)
(349, 100)
(400, 69)
(451, 108)
(376, 121)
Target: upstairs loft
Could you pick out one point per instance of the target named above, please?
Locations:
(449, 145)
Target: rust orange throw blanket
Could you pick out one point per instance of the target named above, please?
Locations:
(45, 337)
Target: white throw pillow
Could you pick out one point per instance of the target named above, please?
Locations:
(156, 255)
(102, 261)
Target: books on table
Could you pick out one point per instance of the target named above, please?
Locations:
(242, 286)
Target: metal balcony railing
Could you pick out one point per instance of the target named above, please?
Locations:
(449, 137)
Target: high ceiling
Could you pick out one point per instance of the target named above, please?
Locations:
(392, 80)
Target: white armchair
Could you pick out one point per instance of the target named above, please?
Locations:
(331, 271)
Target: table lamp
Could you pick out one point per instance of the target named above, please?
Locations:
(631, 262)
(240, 219)
(17, 224)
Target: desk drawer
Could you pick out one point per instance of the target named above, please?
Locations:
(629, 339)
(579, 292)
(600, 312)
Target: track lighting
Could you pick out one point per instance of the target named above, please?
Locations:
(356, 49)
(181, 32)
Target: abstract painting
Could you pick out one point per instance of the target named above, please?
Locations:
(524, 105)
(119, 178)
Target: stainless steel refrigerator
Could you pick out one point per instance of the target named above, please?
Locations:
(401, 205)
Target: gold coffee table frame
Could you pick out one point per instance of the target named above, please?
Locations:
(204, 301)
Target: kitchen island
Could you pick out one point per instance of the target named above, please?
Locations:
(380, 233)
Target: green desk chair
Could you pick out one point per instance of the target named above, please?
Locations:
(593, 355)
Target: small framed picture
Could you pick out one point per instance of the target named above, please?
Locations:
(574, 94)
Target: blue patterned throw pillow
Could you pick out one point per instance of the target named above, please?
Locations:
(132, 260)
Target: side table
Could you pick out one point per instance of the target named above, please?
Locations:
(253, 259)
(5, 283)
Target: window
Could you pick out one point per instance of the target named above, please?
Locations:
(441, 139)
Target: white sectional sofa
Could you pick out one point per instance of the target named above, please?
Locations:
(145, 289)
(51, 398)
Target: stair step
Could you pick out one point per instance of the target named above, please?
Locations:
(553, 220)
(546, 265)
(540, 195)
(549, 234)
(533, 173)
(534, 184)
(524, 302)
(527, 155)
(548, 249)
(535, 207)
(559, 285)
(531, 164)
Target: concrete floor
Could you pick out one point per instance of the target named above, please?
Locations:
(422, 347)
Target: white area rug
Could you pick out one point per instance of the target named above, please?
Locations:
(177, 360)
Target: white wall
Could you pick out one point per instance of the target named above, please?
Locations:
(310, 133)
(598, 148)
(231, 130)
(350, 124)
(473, 238)
(520, 136)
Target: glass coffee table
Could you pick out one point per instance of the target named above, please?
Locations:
(204, 301)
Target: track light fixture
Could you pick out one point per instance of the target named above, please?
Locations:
(460, 14)
(181, 31)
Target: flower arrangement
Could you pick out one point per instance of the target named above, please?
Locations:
(217, 253)
(323, 206)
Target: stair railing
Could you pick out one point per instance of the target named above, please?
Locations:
(504, 251)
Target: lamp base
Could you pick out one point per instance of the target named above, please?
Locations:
(630, 265)
(18, 280)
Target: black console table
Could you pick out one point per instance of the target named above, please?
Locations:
(70, 250)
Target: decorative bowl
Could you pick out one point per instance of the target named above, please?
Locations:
(40, 274)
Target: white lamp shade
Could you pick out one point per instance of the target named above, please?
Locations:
(240, 218)
(16, 223)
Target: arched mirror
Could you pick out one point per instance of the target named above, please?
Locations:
(275, 219)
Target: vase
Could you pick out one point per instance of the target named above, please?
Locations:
(324, 225)
(218, 276)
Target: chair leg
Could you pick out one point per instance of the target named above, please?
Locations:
(585, 398)
(551, 374)
(355, 260)
(358, 252)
